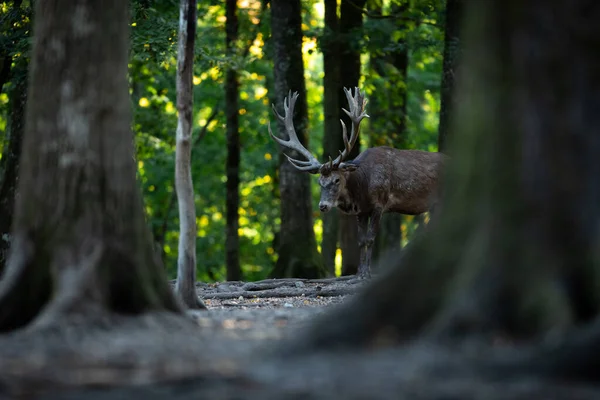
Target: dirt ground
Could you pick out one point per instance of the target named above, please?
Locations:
(268, 309)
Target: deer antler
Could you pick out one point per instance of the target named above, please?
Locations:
(312, 165)
(356, 104)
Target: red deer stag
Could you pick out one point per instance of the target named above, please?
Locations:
(381, 179)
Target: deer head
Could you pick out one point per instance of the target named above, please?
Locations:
(334, 173)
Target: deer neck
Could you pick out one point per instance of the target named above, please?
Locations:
(349, 198)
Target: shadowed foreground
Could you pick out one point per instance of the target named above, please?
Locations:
(137, 357)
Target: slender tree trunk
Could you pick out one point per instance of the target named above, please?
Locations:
(350, 24)
(80, 243)
(232, 242)
(513, 249)
(452, 44)
(8, 48)
(297, 250)
(332, 136)
(379, 113)
(388, 117)
(186, 259)
(9, 165)
(5, 65)
(160, 232)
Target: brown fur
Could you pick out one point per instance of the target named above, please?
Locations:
(392, 180)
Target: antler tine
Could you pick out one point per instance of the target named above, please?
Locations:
(312, 165)
(356, 105)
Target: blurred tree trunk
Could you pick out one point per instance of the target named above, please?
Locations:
(80, 244)
(452, 44)
(514, 248)
(297, 250)
(186, 258)
(388, 114)
(232, 242)
(9, 164)
(332, 136)
(350, 29)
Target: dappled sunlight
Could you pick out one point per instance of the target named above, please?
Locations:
(260, 92)
(431, 106)
(170, 108)
(256, 49)
(318, 229)
(338, 262)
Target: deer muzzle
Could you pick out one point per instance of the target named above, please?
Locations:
(324, 206)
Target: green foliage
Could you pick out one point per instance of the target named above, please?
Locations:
(152, 71)
(152, 68)
(153, 65)
(419, 30)
(15, 29)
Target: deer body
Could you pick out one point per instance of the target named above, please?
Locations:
(392, 180)
(381, 179)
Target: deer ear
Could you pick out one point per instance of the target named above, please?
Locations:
(347, 167)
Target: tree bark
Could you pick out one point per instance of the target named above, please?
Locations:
(186, 258)
(350, 23)
(232, 242)
(80, 241)
(388, 115)
(512, 250)
(297, 250)
(452, 44)
(332, 136)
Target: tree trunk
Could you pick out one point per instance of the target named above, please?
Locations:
(332, 136)
(350, 24)
(452, 44)
(79, 238)
(186, 258)
(513, 249)
(298, 255)
(9, 164)
(232, 242)
(388, 116)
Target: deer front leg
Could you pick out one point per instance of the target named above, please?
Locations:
(368, 226)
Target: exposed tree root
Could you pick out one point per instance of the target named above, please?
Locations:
(285, 292)
(18, 278)
(78, 296)
(126, 350)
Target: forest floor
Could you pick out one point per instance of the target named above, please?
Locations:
(235, 356)
(268, 309)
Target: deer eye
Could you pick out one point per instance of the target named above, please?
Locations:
(336, 180)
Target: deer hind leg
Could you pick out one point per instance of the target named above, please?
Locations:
(368, 226)
(363, 266)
